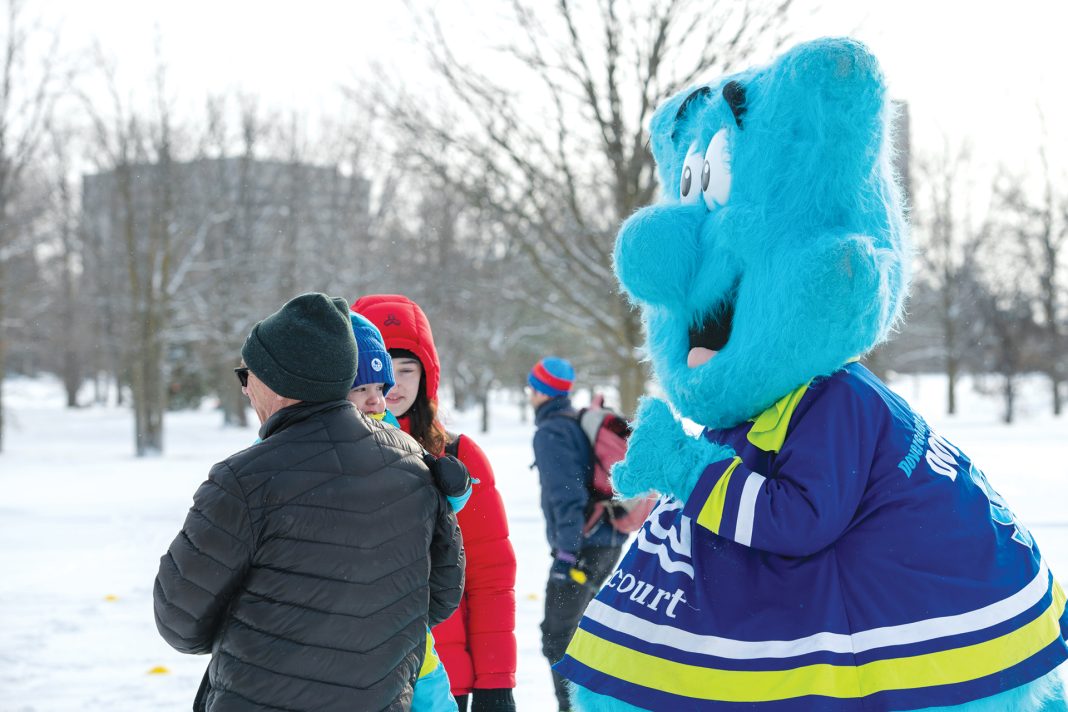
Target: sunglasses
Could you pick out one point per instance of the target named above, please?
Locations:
(242, 375)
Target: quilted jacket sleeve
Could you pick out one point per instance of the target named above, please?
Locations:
(204, 565)
(491, 569)
(446, 565)
(562, 454)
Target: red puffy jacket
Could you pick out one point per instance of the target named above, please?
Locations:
(477, 643)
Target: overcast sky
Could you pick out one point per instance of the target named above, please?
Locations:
(978, 69)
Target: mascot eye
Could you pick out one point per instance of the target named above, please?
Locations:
(716, 171)
(688, 190)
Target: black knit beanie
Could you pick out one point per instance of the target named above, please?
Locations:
(305, 350)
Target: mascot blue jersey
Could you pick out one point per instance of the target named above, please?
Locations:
(848, 559)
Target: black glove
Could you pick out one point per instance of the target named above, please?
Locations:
(566, 569)
(498, 700)
(450, 475)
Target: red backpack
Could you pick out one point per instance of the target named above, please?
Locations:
(607, 432)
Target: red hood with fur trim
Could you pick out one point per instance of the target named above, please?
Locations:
(404, 326)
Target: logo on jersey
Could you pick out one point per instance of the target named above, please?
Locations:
(942, 457)
(666, 534)
(999, 509)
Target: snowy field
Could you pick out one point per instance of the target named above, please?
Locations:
(83, 524)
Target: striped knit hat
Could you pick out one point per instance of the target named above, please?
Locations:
(552, 376)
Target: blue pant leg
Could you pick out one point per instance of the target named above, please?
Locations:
(433, 692)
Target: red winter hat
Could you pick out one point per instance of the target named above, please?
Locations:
(404, 326)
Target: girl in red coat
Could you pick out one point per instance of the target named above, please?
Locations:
(477, 643)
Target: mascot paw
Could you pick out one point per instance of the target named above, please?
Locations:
(662, 457)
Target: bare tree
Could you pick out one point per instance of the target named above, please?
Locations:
(1009, 321)
(1042, 226)
(479, 325)
(28, 86)
(558, 155)
(223, 293)
(72, 337)
(943, 222)
(143, 181)
(1009, 290)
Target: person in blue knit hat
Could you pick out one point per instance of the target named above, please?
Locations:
(583, 556)
(374, 371)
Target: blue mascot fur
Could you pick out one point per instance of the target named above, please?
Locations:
(818, 547)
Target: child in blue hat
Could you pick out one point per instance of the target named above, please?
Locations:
(374, 371)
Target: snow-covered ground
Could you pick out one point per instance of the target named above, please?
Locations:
(83, 523)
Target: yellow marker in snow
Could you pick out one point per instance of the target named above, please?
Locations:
(159, 670)
(111, 597)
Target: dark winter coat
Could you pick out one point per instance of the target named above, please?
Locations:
(563, 457)
(310, 565)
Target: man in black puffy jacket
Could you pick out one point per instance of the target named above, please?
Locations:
(312, 562)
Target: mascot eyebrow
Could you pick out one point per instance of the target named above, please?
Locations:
(703, 91)
(733, 92)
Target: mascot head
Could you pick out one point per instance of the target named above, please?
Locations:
(779, 250)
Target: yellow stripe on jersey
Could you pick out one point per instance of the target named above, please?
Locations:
(430, 658)
(945, 667)
(711, 514)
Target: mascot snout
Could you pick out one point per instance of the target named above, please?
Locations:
(657, 252)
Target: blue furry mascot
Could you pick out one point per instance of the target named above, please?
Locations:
(818, 547)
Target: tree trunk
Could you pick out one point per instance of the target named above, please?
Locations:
(148, 388)
(72, 377)
(951, 385)
(157, 380)
(232, 401)
(72, 362)
(1056, 385)
(483, 402)
(3, 355)
(137, 394)
(1010, 398)
(631, 387)
(632, 372)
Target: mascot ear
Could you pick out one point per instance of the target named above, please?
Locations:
(829, 91)
(822, 111)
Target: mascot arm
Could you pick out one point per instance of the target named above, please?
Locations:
(662, 457)
(810, 497)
